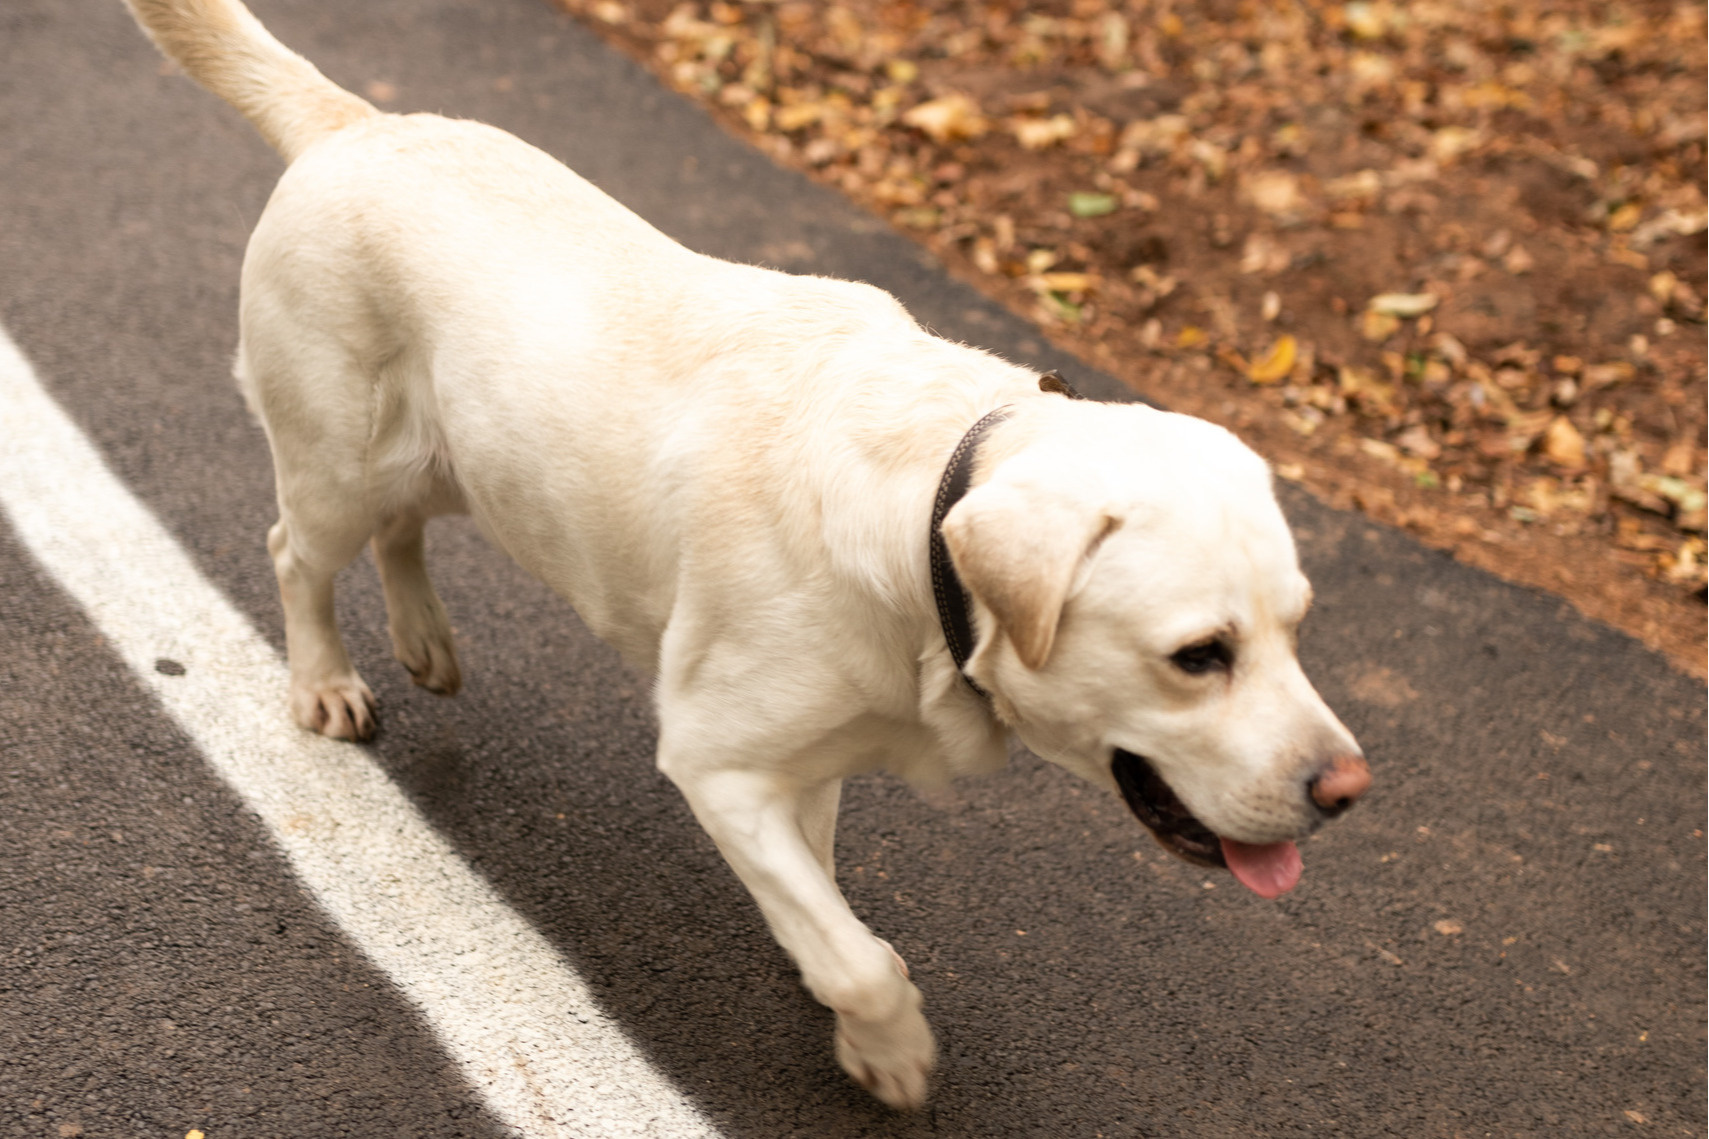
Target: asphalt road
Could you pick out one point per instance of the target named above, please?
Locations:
(1505, 938)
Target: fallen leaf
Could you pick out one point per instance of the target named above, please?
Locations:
(1366, 21)
(1141, 200)
(1190, 336)
(1233, 359)
(1212, 158)
(1685, 566)
(1607, 375)
(1067, 282)
(1626, 482)
(1263, 254)
(1155, 283)
(1377, 449)
(1037, 134)
(1621, 255)
(1449, 143)
(1404, 305)
(947, 118)
(1368, 392)
(1056, 307)
(607, 12)
(1631, 535)
(919, 217)
(1041, 259)
(1377, 326)
(1153, 138)
(1416, 440)
(1277, 363)
(904, 192)
(1450, 349)
(1669, 223)
(797, 115)
(1682, 494)
(1085, 204)
(1370, 71)
(1562, 443)
(1364, 186)
(1525, 427)
(1625, 217)
(1276, 192)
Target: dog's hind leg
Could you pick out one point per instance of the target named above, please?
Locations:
(315, 408)
(327, 695)
(415, 617)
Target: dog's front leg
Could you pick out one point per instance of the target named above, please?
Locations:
(778, 840)
(816, 809)
(818, 814)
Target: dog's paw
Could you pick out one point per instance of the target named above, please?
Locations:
(890, 1058)
(431, 661)
(342, 709)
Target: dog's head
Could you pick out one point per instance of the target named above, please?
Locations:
(1137, 597)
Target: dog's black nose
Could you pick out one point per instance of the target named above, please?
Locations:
(1342, 780)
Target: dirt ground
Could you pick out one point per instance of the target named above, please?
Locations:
(1442, 261)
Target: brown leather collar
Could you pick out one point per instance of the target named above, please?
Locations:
(953, 612)
(953, 615)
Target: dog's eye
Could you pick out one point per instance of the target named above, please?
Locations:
(1206, 656)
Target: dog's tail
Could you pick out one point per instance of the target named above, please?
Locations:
(225, 49)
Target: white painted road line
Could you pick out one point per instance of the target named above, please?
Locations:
(516, 1018)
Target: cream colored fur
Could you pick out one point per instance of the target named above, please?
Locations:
(728, 471)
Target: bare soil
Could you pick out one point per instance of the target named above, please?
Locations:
(1442, 262)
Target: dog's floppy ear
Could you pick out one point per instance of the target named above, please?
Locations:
(1017, 548)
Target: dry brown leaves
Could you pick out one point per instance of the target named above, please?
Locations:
(1443, 260)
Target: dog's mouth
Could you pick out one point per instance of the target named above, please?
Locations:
(1159, 808)
(1267, 869)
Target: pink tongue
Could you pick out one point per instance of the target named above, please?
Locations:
(1268, 870)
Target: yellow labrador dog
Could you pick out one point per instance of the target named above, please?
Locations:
(778, 494)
